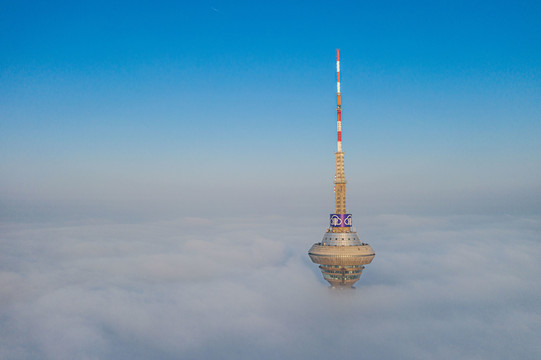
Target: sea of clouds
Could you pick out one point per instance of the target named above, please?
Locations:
(440, 287)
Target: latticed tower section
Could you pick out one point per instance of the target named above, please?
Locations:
(341, 254)
(340, 187)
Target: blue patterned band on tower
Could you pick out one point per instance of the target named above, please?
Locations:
(341, 220)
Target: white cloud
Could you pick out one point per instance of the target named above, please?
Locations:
(439, 287)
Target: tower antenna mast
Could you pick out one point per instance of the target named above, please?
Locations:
(340, 177)
(338, 102)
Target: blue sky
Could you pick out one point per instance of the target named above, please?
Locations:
(146, 101)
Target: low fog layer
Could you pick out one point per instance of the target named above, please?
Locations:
(229, 288)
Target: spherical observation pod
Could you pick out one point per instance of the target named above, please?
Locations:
(341, 266)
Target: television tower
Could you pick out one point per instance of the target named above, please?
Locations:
(341, 255)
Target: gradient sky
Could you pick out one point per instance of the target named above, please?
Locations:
(142, 104)
(166, 165)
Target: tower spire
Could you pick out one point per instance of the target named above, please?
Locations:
(340, 177)
(338, 102)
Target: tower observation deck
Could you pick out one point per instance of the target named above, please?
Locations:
(341, 254)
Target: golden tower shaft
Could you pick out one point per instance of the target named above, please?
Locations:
(340, 188)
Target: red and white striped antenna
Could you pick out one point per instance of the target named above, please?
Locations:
(338, 101)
